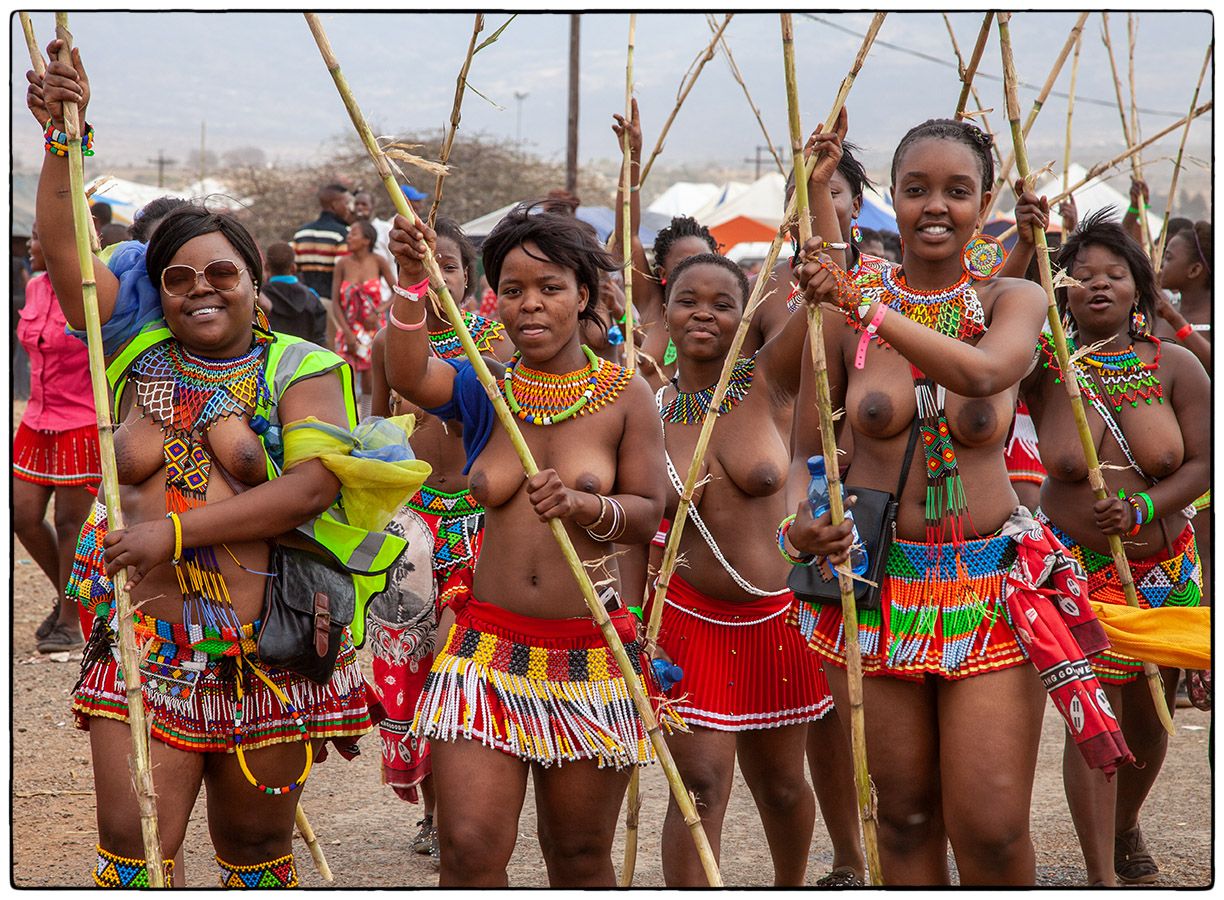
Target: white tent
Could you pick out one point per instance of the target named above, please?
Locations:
(684, 198)
(764, 200)
(1095, 195)
(729, 192)
(126, 198)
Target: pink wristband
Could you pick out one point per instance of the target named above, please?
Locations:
(415, 326)
(860, 355)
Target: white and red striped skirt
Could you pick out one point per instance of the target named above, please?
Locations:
(744, 667)
(57, 458)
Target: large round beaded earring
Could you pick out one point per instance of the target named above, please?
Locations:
(983, 257)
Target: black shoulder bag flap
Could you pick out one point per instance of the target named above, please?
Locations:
(308, 603)
(875, 517)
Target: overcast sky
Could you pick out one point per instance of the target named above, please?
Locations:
(257, 79)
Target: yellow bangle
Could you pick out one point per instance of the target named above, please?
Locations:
(178, 538)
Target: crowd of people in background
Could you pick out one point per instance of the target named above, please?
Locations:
(487, 667)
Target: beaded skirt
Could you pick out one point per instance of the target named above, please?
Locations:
(544, 690)
(197, 713)
(744, 668)
(942, 613)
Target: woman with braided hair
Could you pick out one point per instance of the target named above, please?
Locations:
(1144, 399)
(953, 712)
(681, 238)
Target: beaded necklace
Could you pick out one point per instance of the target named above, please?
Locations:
(953, 311)
(484, 331)
(691, 408)
(1125, 377)
(186, 395)
(542, 398)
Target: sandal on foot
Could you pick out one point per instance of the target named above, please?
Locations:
(841, 877)
(1132, 862)
(41, 632)
(426, 830)
(62, 637)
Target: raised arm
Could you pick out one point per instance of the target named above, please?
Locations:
(1001, 357)
(647, 293)
(1030, 210)
(411, 371)
(53, 203)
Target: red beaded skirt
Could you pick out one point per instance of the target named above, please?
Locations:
(744, 667)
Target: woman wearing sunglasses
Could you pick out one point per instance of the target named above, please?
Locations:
(200, 387)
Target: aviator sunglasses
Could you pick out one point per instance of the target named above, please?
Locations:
(222, 274)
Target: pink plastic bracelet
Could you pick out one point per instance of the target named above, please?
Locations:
(415, 326)
(860, 355)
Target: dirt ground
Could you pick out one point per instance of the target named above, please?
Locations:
(365, 829)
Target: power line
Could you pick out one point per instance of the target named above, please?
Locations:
(1112, 104)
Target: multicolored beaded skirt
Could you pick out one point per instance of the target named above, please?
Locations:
(544, 690)
(1172, 577)
(57, 458)
(744, 668)
(941, 613)
(195, 711)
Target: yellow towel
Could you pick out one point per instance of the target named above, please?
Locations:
(374, 464)
(1173, 636)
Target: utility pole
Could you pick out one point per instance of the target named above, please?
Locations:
(161, 162)
(520, 96)
(760, 148)
(571, 141)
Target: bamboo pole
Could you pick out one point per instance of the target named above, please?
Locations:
(1158, 259)
(960, 113)
(1136, 165)
(626, 222)
(968, 71)
(1126, 154)
(600, 615)
(312, 843)
(1132, 34)
(739, 78)
(139, 762)
(671, 552)
(828, 440)
(1079, 40)
(1070, 382)
(686, 85)
(1005, 170)
(36, 59)
(449, 141)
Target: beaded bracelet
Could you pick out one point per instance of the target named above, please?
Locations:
(783, 529)
(57, 141)
(1150, 513)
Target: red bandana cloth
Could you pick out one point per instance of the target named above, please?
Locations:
(1057, 629)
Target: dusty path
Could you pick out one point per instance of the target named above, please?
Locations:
(365, 829)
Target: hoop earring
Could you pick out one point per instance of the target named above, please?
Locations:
(982, 257)
(1139, 323)
(856, 233)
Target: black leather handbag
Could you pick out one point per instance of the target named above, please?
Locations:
(875, 517)
(308, 602)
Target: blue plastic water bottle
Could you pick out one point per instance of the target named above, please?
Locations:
(667, 673)
(818, 500)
